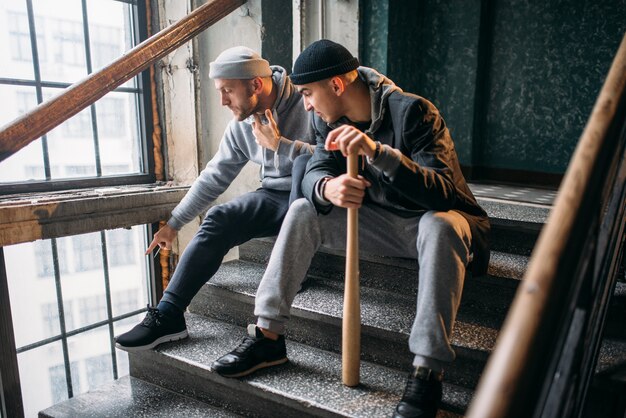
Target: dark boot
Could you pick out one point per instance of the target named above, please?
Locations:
(422, 395)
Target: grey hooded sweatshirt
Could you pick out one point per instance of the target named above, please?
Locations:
(238, 146)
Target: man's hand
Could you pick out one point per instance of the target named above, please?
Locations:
(345, 191)
(163, 238)
(349, 140)
(268, 135)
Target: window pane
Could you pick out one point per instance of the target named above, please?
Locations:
(84, 286)
(32, 287)
(87, 252)
(64, 40)
(42, 376)
(121, 327)
(34, 303)
(26, 164)
(127, 269)
(118, 132)
(71, 146)
(15, 48)
(90, 353)
(110, 32)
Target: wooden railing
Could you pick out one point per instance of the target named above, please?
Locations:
(75, 98)
(547, 349)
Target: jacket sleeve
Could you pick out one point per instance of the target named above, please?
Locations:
(212, 181)
(424, 177)
(293, 148)
(322, 164)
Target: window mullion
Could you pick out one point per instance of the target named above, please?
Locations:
(11, 402)
(38, 88)
(94, 122)
(57, 281)
(107, 289)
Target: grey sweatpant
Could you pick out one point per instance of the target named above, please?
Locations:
(440, 241)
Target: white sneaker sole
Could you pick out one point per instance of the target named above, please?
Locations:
(164, 339)
(257, 367)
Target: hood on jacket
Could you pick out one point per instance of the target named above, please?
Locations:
(380, 88)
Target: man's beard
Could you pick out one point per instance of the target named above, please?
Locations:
(249, 108)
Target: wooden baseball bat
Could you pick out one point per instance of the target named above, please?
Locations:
(351, 330)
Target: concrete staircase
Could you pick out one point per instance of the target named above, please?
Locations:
(178, 374)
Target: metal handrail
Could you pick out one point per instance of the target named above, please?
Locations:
(49, 114)
(547, 348)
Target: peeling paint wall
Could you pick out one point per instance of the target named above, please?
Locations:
(242, 27)
(179, 109)
(335, 20)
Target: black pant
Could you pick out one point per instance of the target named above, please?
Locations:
(252, 215)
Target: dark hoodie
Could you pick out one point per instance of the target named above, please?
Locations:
(418, 169)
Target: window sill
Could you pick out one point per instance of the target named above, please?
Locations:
(31, 216)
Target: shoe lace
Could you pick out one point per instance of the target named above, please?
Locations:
(153, 317)
(414, 390)
(245, 345)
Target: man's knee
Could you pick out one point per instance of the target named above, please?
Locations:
(435, 225)
(302, 208)
(219, 214)
(249, 207)
(222, 219)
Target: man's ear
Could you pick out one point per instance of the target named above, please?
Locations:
(337, 85)
(257, 84)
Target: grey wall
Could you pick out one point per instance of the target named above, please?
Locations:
(548, 65)
(515, 80)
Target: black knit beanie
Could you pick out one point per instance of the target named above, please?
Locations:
(320, 60)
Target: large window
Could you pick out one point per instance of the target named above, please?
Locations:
(70, 296)
(47, 46)
(64, 325)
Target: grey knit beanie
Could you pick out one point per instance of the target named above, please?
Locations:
(321, 60)
(239, 62)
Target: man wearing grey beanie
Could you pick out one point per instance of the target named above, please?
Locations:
(267, 110)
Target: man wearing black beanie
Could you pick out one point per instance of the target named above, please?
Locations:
(413, 202)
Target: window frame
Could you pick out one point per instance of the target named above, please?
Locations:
(143, 113)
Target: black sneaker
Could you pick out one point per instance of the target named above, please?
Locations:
(155, 329)
(255, 352)
(422, 395)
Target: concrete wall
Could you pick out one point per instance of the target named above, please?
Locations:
(515, 80)
(178, 121)
(242, 27)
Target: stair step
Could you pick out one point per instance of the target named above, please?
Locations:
(389, 273)
(309, 385)
(131, 397)
(515, 225)
(612, 355)
(513, 213)
(386, 318)
(514, 193)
